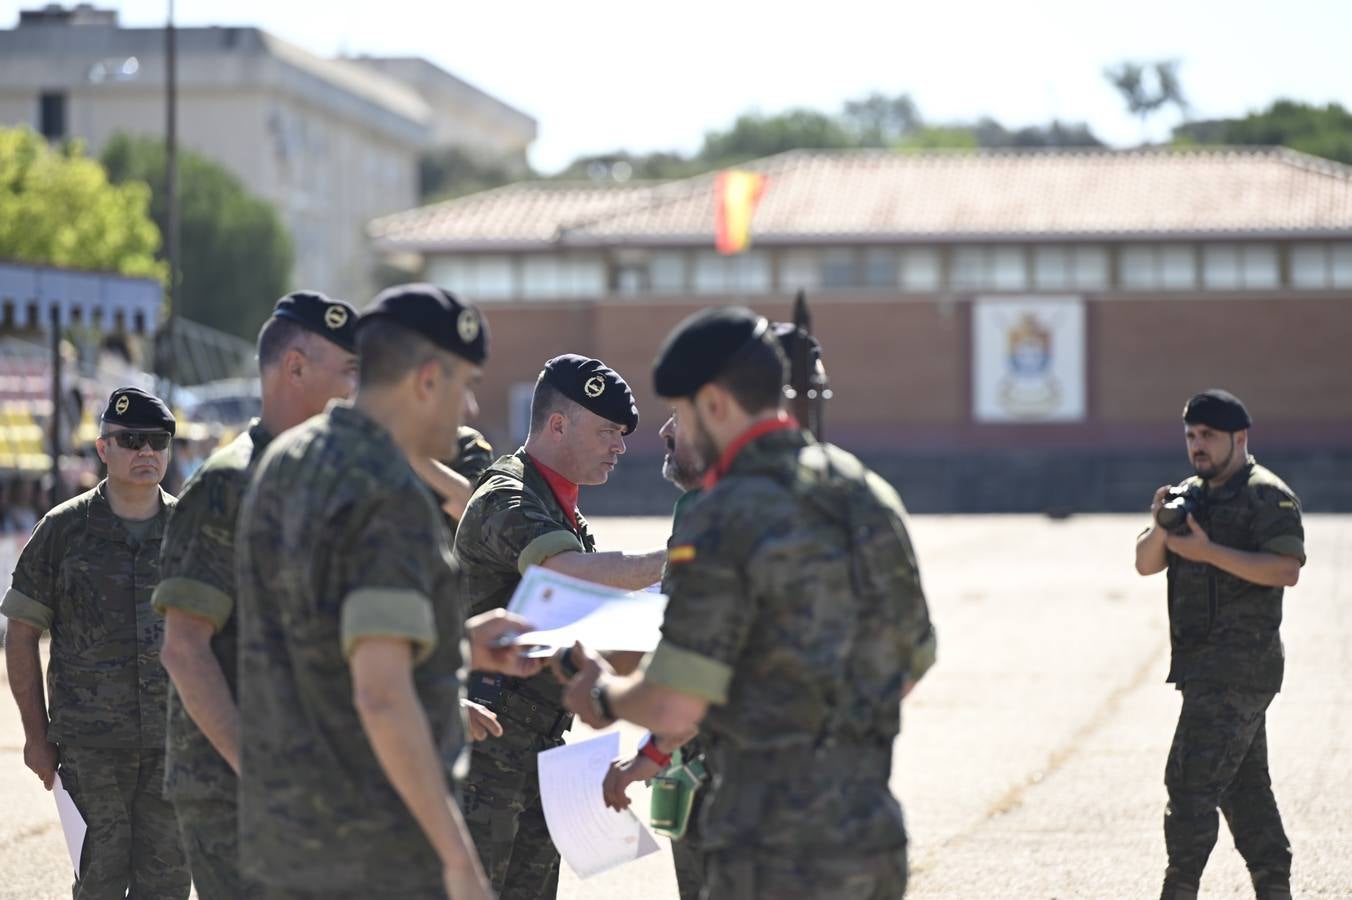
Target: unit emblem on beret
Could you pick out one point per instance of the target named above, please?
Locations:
(335, 317)
(595, 386)
(468, 326)
(123, 404)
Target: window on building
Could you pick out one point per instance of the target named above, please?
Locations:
(1239, 266)
(920, 269)
(546, 276)
(838, 268)
(798, 271)
(1321, 266)
(476, 278)
(666, 272)
(1070, 267)
(743, 273)
(880, 269)
(1001, 268)
(52, 115)
(1153, 267)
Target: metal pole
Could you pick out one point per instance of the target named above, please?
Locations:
(166, 370)
(54, 423)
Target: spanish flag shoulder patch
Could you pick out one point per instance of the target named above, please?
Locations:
(682, 554)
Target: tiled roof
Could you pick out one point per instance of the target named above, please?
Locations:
(529, 213)
(818, 196)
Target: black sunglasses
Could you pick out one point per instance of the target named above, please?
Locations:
(135, 440)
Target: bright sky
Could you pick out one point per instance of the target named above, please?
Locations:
(604, 75)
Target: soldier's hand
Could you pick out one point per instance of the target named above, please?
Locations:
(489, 649)
(465, 883)
(567, 662)
(623, 774)
(41, 757)
(1193, 545)
(482, 721)
(1158, 501)
(577, 695)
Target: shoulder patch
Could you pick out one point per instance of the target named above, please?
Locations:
(683, 554)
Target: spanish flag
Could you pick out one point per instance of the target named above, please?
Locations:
(736, 194)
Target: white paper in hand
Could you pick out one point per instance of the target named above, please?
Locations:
(565, 610)
(72, 823)
(592, 837)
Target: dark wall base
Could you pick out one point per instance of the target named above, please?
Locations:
(1056, 482)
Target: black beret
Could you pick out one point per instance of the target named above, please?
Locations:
(437, 315)
(1217, 409)
(326, 317)
(132, 407)
(594, 386)
(697, 350)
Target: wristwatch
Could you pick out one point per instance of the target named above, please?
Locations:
(601, 704)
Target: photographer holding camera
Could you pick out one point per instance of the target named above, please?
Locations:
(1231, 540)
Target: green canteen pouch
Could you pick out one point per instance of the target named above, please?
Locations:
(673, 796)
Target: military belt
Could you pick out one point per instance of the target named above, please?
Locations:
(510, 699)
(830, 760)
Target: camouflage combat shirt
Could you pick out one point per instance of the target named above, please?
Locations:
(83, 576)
(338, 539)
(473, 455)
(197, 576)
(1222, 628)
(796, 610)
(513, 522)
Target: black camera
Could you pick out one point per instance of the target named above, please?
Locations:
(1183, 500)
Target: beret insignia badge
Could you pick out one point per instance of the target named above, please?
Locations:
(595, 386)
(335, 317)
(468, 326)
(123, 404)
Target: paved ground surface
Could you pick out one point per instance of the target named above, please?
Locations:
(1032, 756)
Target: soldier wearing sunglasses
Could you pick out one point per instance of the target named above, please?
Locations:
(87, 575)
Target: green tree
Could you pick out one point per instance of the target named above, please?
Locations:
(235, 254)
(940, 137)
(449, 172)
(1142, 98)
(1318, 130)
(754, 135)
(58, 208)
(880, 121)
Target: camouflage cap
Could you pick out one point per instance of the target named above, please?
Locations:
(436, 314)
(326, 317)
(697, 350)
(134, 408)
(594, 386)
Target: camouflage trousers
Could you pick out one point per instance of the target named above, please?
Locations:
(211, 843)
(505, 817)
(1219, 760)
(734, 874)
(284, 893)
(689, 860)
(131, 846)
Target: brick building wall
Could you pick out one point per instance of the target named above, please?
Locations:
(900, 370)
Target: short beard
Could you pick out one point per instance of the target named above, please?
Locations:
(684, 476)
(1215, 470)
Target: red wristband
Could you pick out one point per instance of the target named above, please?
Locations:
(649, 749)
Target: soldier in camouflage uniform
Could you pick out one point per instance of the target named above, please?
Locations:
(453, 480)
(795, 620)
(685, 470)
(350, 625)
(524, 513)
(87, 575)
(306, 357)
(1241, 545)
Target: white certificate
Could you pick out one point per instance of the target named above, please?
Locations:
(72, 823)
(592, 837)
(565, 610)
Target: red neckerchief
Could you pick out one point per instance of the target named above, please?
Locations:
(564, 490)
(760, 429)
